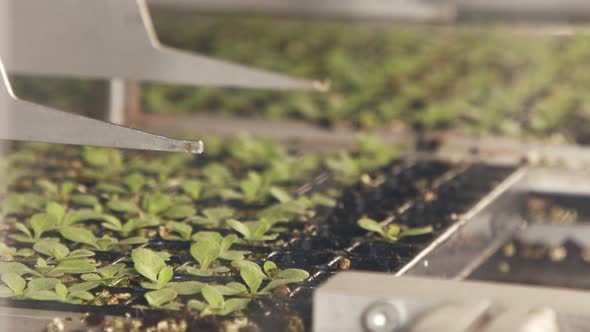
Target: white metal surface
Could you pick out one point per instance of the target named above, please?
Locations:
(114, 39)
(447, 305)
(25, 121)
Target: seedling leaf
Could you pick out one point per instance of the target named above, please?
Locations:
(15, 282)
(160, 297)
(79, 235)
(370, 225)
(186, 287)
(205, 251)
(147, 263)
(213, 297)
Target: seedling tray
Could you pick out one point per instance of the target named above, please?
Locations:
(413, 192)
(530, 230)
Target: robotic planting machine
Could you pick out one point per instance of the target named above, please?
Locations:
(456, 283)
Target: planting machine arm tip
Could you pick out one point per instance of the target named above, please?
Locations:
(25, 121)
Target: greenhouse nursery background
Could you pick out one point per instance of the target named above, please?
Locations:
(274, 165)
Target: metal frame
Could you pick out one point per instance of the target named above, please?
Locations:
(400, 10)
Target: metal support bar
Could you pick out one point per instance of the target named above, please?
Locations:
(397, 10)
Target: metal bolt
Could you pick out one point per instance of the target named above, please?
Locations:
(384, 317)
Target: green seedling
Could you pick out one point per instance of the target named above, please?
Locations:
(287, 210)
(374, 153)
(345, 168)
(318, 199)
(131, 225)
(162, 299)
(205, 251)
(104, 243)
(280, 194)
(152, 266)
(253, 231)
(217, 176)
(392, 232)
(254, 188)
(193, 188)
(106, 160)
(18, 287)
(292, 206)
(123, 206)
(109, 189)
(215, 304)
(225, 244)
(57, 268)
(22, 203)
(110, 275)
(134, 182)
(55, 191)
(180, 212)
(45, 289)
(179, 231)
(60, 260)
(156, 203)
(214, 217)
(75, 294)
(17, 268)
(86, 200)
(8, 252)
(154, 206)
(253, 276)
(55, 217)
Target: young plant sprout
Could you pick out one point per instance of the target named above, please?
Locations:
(110, 275)
(254, 188)
(74, 294)
(7, 252)
(104, 243)
(17, 268)
(253, 276)
(22, 203)
(135, 182)
(151, 266)
(60, 260)
(133, 224)
(207, 249)
(225, 244)
(214, 217)
(392, 232)
(55, 217)
(253, 231)
(215, 304)
(193, 188)
(162, 299)
(177, 231)
(45, 289)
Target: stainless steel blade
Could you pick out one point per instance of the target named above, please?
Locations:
(24, 121)
(114, 39)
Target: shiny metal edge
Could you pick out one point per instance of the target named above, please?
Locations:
(422, 264)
